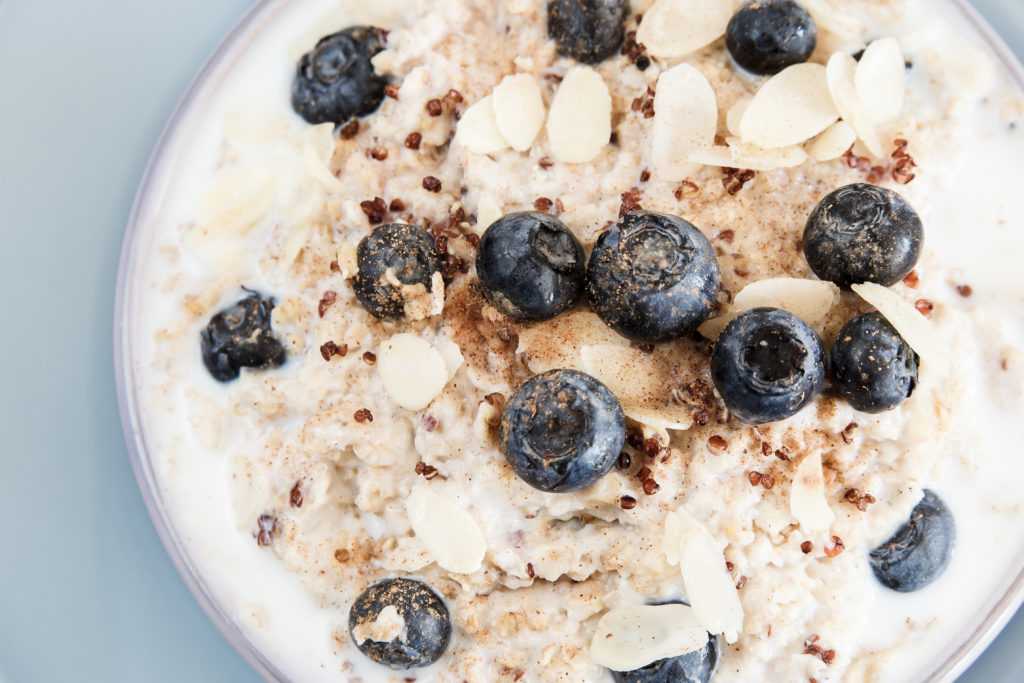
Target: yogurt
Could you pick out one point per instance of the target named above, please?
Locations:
(247, 195)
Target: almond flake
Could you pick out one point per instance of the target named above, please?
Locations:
(519, 110)
(488, 211)
(807, 501)
(734, 118)
(749, 157)
(478, 129)
(833, 143)
(639, 380)
(659, 420)
(809, 300)
(413, 371)
(685, 121)
(628, 638)
(791, 108)
(881, 80)
(840, 74)
(709, 586)
(916, 329)
(580, 122)
(389, 625)
(674, 28)
(556, 343)
(449, 533)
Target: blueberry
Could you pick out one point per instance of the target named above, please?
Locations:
(408, 252)
(653, 277)
(562, 431)
(919, 552)
(240, 337)
(693, 667)
(863, 233)
(766, 36)
(336, 80)
(589, 31)
(873, 368)
(531, 267)
(767, 365)
(426, 631)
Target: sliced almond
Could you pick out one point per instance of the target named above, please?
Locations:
(519, 110)
(916, 329)
(478, 129)
(734, 118)
(487, 212)
(670, 417)
(840, 74)
(674, 28)
(628, 638)
(750, 157)
(557, 343)
(709, 586)
(240, 197)
(580, 122)
(791, 108)
(833, 143)
(685, 121)
(881, 80)
(388, 626)
(807, 501)
(413, 371)
(449, 533)
(809, 300)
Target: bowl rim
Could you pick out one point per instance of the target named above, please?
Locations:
(954, 665)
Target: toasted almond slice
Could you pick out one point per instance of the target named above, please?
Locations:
(628, 638)
(791, 108)
(557, 343)
(685, 120)
(840, 73)
(916, 329)
(519, 110)
(580, 121)
(881, 80)
(709, 587)
(478, 129)
(830, 19)
(413, 371)
(449, 533)
(487, 212)
(388, 626)
(734, 118)
(807, 501)
(674, 28)
(670, 417)
(833, 143)
(809, 300)
(240, 197)
(633, 376)
(750, 157)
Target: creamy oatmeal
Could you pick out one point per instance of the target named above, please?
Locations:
(371, 448)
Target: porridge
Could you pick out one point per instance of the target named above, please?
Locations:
(577, 341)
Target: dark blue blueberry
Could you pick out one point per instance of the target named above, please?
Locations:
(408, 252)
(428, 626)
(766, 36)
(873, 368)
(863, 233)
(241, 337)
(693, 667)
(336, 80)
(919, 552)
(562, 431)
(767, 365)
(589, 31)
(530, 265)
(653, 277)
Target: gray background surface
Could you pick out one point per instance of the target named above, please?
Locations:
(86, 591)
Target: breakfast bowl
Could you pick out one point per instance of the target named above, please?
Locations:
(337, 463)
